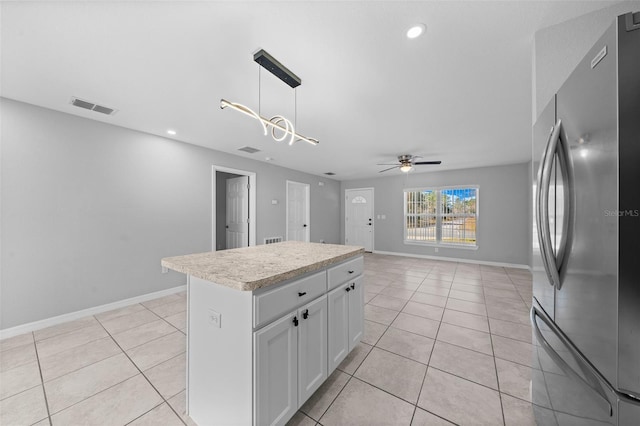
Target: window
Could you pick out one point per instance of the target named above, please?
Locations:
(445, 216)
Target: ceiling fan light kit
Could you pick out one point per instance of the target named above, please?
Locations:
(278, 122)
(406, 162)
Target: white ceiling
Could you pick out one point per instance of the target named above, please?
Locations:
(461, 93)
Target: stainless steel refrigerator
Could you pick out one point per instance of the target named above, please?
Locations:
(586, 243)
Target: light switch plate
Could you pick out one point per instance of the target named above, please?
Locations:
(215, 318)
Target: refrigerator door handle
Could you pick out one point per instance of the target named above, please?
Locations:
(593, 381)
(542, 211)
(566, 168)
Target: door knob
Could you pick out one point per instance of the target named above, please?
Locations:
(227, 226)
(304, 226)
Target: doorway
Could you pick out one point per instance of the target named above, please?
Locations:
(298, 212)
(358, 220)
(233, 208)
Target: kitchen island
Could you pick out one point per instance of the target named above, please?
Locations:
(266, 326)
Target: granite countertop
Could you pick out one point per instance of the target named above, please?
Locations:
(250, 268)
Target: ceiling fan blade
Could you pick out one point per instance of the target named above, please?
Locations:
(387, 164)
(427, 162)
(390, 168)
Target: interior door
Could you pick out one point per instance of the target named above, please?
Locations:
(359, 218)
(237, 212)
(298, 211)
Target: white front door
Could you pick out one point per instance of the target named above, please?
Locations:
(359, 218)
(297, 211)
(238, 212)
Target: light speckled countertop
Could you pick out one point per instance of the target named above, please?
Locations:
(250, 268)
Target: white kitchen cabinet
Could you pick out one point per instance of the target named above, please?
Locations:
(291, 362)
(346, 320)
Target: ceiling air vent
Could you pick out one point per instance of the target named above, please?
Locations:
(249, 149)
(92, 107)
(330, 174)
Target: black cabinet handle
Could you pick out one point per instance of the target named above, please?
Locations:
(304, 226)
(348, 289)
(351, 272)
(295, 321)
(305, 314)
(301, 294)
(353, 286)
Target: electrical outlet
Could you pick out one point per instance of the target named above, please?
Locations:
(215, 318)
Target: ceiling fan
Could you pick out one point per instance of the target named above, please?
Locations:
(406, 163)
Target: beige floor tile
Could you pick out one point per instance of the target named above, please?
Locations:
(515, 379)
(436, 291)
(16, 341)
(169, 378)
(159, 350)
(318, 403)
(511, 330)
(429, 299)
(440, 276)
(407, 279)
(25, 408)
(512, 350)
(372, 332)
(367, 297)
(70, 340)
(353, 360)
(466, 295)
(19, 379)
(161, 415)
(467, 287)
(510, 294)
(178, 320)
(397, 292)
(81, 384)
(154, 303)
(300, 419)
(127, 322)
(465, 363)
(77, 357)
(143, 333)
(468, 281)
(380, 315)
(362, 404)
(179, 404)
(429, 282)
(388, 302)
(395, 374)
(405, 285)
(126, 310)
(424, 418)
(113, 406)
(56, 330)
(517, 412)
(460, 400)
(170, 308)
(414, 324)
(15, 357)
(465, 337)
(464, 319)
(466, 306)
(423, 310)
(373, 288)
(409, 345)
(43, 422)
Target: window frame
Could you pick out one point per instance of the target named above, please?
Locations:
(439, 216)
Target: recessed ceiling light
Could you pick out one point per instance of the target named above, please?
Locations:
(416, 30)
(171, 132)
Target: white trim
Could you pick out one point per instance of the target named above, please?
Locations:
(48, 322)
(455, 259)
(307, 191)
(252, 202)
(373, 214)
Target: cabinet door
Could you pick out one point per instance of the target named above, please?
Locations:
(356, 312)
(276, 360)
(338, 335)
(312, 348)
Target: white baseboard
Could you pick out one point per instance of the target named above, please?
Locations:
(455, 259)
(48, 322)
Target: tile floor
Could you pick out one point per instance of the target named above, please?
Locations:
(444, 343)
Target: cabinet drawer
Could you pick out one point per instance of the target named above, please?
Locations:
(273, 303)
(344, 272)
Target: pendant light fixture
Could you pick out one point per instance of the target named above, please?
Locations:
(277, 122)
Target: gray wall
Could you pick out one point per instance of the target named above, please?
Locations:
(503, 211)
(221, 209)
(89, 209)
(559, 48)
